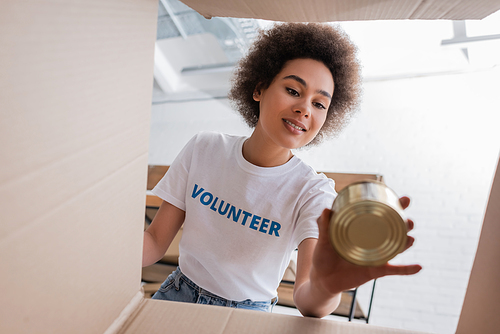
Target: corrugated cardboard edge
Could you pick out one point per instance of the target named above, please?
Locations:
(344, 10)
(127, 314)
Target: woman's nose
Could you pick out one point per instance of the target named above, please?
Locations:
(303, 109)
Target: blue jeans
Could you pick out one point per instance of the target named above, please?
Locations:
(178, 287)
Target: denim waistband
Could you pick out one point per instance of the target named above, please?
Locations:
(179, 287)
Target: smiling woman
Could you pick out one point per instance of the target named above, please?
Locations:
(293, 109)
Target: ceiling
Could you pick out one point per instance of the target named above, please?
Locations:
(194, 56)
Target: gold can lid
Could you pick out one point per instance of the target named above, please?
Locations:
(368, 233)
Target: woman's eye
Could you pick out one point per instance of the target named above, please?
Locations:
(319, 105)
(292, 91)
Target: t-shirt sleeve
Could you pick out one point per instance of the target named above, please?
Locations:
(172, 187)
(318, 198)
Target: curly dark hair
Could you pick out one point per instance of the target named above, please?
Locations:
(287, 41)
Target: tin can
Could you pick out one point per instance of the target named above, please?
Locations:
(368, 226)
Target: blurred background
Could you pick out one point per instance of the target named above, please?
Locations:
(428, 123)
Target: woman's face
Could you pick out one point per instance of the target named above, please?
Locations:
(294, 106)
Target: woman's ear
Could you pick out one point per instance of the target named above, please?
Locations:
(256, 95)
(256, 92)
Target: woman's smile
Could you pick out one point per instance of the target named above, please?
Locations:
(294, 125)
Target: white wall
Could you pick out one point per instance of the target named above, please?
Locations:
(434, 139)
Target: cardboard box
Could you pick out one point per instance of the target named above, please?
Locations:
(75, 96)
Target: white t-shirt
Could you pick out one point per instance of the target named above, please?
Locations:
(242, 221)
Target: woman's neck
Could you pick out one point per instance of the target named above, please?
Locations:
(263, 154)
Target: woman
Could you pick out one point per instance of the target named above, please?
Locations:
(247, 203)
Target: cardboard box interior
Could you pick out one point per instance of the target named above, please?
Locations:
(75, 92)
(76, 80)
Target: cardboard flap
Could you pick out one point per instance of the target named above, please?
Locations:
(76, 83)
(156, 316)
(345, 10)
(482, 300)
